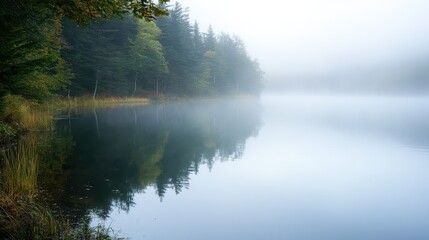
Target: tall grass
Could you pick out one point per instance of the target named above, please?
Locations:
(33, 220)
(18, 173)
(20, 114)
(37, 119)
(28, 220)
(7, 133)
(98, 102)
(18, 188)
(22, 216)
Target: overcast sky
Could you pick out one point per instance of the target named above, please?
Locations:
(295, 36)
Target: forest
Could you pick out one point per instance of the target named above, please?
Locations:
(56, 50)
(61, 57)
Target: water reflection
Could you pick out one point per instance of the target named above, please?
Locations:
(320, 168)
(102, 157)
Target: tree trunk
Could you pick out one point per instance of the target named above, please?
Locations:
(157, 86)
(135, 83)
(68, 100)
(165, 86)
(97, 75)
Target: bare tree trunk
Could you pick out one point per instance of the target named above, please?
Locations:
(68, 100)
(157, 86)
(135, 83)
(97, 75)
(165, 86)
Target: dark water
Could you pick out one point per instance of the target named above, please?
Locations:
(275, 168)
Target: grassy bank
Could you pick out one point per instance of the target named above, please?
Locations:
(20, 115)
(83, 102)
(22, 214)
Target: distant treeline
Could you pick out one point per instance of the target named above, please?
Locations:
(45, 54)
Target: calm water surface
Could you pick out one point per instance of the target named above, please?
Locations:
(297, 167)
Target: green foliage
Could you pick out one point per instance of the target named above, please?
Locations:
(6, 133)
(99, 55)
(31, 40)
(26, 219)
(146, 56)
(15, 108)
(83, 11)
(85, 232)
(202, 64)
(46, 52)
(22, 216)
(30, 51)
(22, 114)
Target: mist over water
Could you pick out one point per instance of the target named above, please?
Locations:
(336, 147)
(300, 167)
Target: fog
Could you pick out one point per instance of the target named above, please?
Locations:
(330, 45)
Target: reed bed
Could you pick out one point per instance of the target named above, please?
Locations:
(22, 216)
(83, 102)
(22, 114)
(18, 173)
(25, 115)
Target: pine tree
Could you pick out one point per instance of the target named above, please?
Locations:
(30, 50)
(176, 38)
(147, 60)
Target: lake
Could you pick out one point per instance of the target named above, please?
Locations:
(279, 167)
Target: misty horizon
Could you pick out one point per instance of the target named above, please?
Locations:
(369, 46)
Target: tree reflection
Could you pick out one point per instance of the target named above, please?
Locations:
(92, 169)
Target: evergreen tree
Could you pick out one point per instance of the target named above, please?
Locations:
(201, 70)
(148, 62)
(236, 72)
(210, 43)
(176, 38)
(197, 41)
(99, 56)
(30, 63)
(117, 56)
(210, 40)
